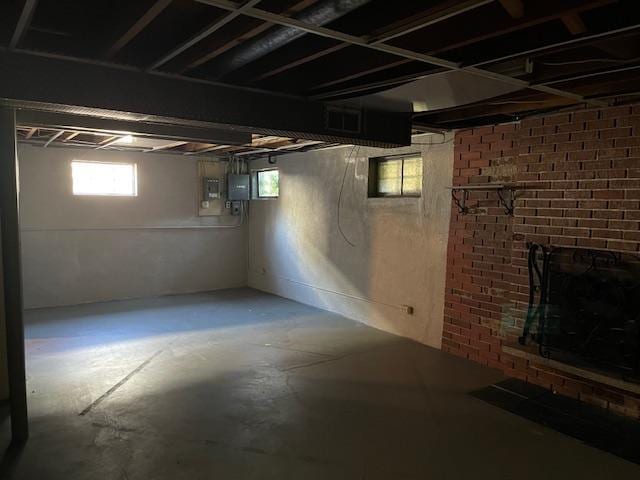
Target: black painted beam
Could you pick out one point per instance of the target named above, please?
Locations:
(84, 123)
(12, 276)
(70, 86)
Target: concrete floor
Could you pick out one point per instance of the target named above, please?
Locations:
(239, 384)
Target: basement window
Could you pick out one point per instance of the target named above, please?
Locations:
(396, 176)
(102, 178)
(268, 184)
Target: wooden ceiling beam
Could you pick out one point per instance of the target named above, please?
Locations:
(566, 45)
(71, 136)
(301, 61)
(492, 32)
(515, 8)
(257, 30)
(398, 51)
(298, 7)
(361, 73)
(606, 87)
(143, 22)
(283, 142)
(108, 141)
(53, 138)
(194, 146)
(488, 31)
(211, 148)
(208, 31)
(591, 74)
(168, 146)
(110, 127)
(431, 16)
(23, 22)
(402, 27)
(551, 48)
(573, 23)
(263, 140)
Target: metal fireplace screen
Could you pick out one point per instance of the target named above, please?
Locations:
(584, 308)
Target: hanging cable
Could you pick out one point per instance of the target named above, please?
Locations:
(344, 177)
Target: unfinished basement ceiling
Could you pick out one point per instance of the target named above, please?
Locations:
(530, 56)
(50, 137)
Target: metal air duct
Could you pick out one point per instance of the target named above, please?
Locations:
(319, 14)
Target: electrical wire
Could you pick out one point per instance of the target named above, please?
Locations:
(344, 177)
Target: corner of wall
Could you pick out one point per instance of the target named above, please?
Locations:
(399, 257)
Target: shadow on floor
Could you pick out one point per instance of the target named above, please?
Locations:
(11, 452)
(594, 426)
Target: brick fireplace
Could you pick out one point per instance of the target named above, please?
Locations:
(576, 180)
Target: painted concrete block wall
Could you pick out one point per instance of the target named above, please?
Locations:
(394, 253)
(78, 249)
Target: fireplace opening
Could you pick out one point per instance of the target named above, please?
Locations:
(584, 309)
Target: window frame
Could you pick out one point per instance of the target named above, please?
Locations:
(374, 168)
(93, 194)
(257, 195)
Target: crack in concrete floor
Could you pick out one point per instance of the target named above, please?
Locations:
(131, 374)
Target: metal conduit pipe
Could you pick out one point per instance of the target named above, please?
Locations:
(319, 14)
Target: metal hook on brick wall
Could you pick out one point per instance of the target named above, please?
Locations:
(507, 201)
(461, 202)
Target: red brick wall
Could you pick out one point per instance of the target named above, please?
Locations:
(580, 179)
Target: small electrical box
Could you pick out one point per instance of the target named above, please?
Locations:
(238, 188)
(210, 188)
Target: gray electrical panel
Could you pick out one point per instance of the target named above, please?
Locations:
(238, 187)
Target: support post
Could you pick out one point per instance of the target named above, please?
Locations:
(12, 276)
